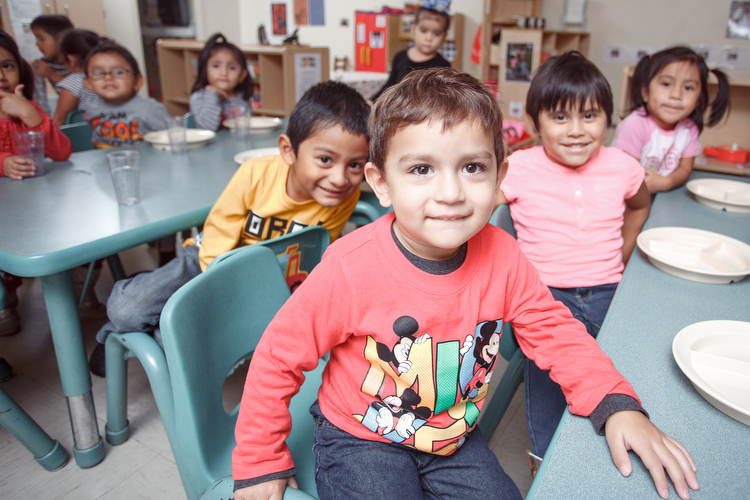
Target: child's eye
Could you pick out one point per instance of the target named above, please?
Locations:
(421, 170)
(325, 160)
(356, 166)
(689, 88)
(559, 118)
(474, 168)
(9, 65)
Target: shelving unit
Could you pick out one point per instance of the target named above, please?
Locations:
(732, 130)
(278, 81)
(538, 44)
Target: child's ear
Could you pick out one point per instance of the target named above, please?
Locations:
(502, 171)
(644, 93)
(243, 75)
(376, 180)
(286, 150)
(138, 83)
(70, 61)
(87, 83)
(531, 122)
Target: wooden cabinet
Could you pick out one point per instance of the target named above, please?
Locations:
(84, 14)
(281, 73)
(733, 129)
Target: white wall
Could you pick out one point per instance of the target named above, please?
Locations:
(212, 16)
(656, 23)
(340, 39)
(124, 27)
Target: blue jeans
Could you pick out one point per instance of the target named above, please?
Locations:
(135, 304)
(545, 402)
(349, 467)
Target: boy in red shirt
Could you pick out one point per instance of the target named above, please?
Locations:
(410, 309)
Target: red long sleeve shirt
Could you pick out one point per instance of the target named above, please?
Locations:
(410, 352)
(56, 144)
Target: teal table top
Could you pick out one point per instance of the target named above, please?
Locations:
(649, 309)
(70, 216)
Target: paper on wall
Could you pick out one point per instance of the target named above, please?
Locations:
(307, 72)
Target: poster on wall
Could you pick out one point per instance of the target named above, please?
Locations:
(738, 24)
(518, 63)
(21, 13)
(307, 72)
(278, 18)
(308, 12)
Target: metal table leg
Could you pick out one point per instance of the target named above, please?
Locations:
(62, 310)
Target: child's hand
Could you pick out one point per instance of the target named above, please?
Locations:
(41, 68)
(17, 168)
(217, 90)
(270, 490)
(17, 106)
(657, 183)
(631, 430)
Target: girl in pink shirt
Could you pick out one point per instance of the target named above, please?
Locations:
(577, 208)
(669, 95)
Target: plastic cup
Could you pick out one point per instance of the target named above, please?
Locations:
(241, 119)
(177, 131)
(125, 168)
(30, 146)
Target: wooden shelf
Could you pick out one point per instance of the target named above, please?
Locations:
(733, 129)
(277, 86)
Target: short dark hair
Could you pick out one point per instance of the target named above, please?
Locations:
(219, 42)
(565, 81)
(25, 73)
(325, 105)
(78, 43)
(110, 47)
(53, 24)
(425, 12)
(438, 95)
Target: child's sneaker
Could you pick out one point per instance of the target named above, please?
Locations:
(97, 361)
(10, 321)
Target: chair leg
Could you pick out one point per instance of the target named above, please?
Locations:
(493, 412)
(115, 267)
(47, 451)
(117, 429)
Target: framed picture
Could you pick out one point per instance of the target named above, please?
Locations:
(278, 16)
(519, 59)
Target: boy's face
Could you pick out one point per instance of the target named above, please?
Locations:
(442, 185)
(428, 34)
(328, 166)
(47, 43)
(111, 77)
(570, 136)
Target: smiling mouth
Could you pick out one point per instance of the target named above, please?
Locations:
(450, 218)
(575, 147)
(334, 192)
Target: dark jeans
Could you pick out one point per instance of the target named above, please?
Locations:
(545, 402)
(351, 467)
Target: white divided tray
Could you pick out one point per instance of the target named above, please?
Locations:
(715, 356)
(696, 255)
(196, 138)
(722, 194)
(254, 153)
(258, 124)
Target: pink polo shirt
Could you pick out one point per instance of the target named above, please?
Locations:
(569, 220)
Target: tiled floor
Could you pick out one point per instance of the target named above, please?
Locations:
(142, 467)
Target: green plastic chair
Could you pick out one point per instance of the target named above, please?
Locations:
(368, 209)
(189, 120)
(47, 452)
(230, 305)
(79, 135)
(75, 116)
(492, 413)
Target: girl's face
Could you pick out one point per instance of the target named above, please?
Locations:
(47, 43)
(429, 35)
(224, 71)
(9, 71)
(673, 93)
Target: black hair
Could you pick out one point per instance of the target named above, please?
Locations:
(78, 43)
(53, 24)
(324, 105)
(109, 47)
(219, 42)
(565, 81)
(25, 73)
(426, 11)
(650, 66)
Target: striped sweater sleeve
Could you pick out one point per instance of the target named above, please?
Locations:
(205, 106)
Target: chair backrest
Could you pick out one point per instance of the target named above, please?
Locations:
(207, 326)
(501, 218)
(189, 120)
(297, 253)
(80, 135)
(75, 116)
(368, 209)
